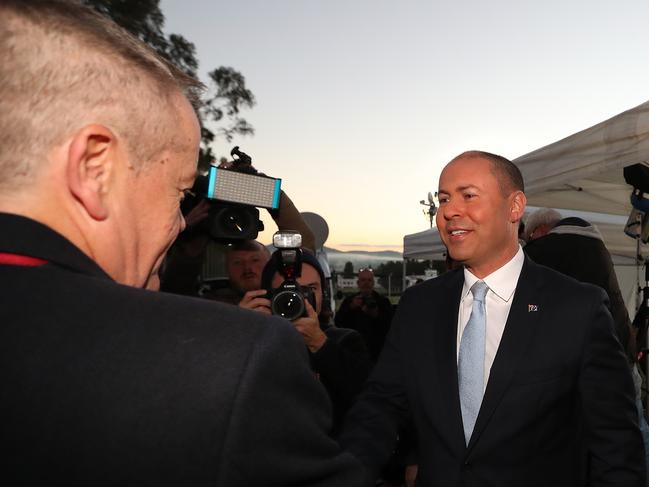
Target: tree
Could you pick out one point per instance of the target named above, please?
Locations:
(348, 270)
(227, 92)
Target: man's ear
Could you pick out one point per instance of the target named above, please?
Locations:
(89, 167)
(518, 203)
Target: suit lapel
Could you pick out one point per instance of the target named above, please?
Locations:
(519, 331)
(445, 343)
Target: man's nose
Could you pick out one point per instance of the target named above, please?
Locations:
(451, 209)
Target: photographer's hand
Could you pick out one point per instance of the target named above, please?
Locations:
(252, 300)
(309, 328)
(356, 302)
(197, 214)
(370, 311)
(194, 243)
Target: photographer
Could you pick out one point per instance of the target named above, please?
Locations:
(338, 356)
(244, 259)
(367, 312)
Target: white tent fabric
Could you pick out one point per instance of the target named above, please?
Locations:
(584, 171)
(425, 245)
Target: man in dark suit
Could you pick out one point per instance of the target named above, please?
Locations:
(104, 383)
(509, 370)
(575, 248)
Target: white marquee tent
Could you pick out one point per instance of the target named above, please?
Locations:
(584, 171)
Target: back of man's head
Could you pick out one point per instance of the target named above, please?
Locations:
(62, 66)
(540, 222)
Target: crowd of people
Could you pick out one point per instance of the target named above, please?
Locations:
(516, 367)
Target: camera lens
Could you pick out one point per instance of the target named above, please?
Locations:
(288, 304)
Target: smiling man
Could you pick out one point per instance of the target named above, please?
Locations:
(510, 371)
(103, 381)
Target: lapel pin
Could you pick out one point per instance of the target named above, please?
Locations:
(532, 307)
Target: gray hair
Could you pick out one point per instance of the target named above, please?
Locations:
(64, 66)
(543, 216)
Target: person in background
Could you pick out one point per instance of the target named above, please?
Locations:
(244, 258)
(575, 248)
(367, 312)
(338, 355)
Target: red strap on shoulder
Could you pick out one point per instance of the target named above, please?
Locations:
(21, 260)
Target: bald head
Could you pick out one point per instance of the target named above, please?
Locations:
(64, 66)
(506, 172)
(366, 281)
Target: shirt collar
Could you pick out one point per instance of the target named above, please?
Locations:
(502, 281)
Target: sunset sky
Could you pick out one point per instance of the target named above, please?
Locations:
(360, 103)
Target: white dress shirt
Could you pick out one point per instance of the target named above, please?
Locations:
(502, 284)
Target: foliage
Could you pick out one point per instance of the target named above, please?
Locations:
(227, 93)
(348, 271)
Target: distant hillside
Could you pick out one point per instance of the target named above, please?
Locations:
(360, 258)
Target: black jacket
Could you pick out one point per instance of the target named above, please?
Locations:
(342, 364)
(575, 248)
(104, 384)
(372, 329)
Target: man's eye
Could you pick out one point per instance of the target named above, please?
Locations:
(443, 200)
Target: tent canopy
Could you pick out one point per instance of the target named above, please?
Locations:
(584, 171)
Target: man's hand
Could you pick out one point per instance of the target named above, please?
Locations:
(309, 328)
(356, 302)
(411, 475)
(371, 311)
(197, 214)
(196, 243)
(253, 300)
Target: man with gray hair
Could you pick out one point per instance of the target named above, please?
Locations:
(575, 248)
(103, 381)
(540, 222)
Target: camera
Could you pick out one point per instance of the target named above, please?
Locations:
(288, 300)
(637, 225)
(369, 301)
(234, 194)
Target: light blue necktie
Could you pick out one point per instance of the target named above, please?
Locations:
(470, 364)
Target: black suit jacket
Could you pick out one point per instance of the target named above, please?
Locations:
(104, 384)
(587, 260)
(559, 384)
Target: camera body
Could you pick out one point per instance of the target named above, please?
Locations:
(288, 300)
(369, 302)
(234, 196)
